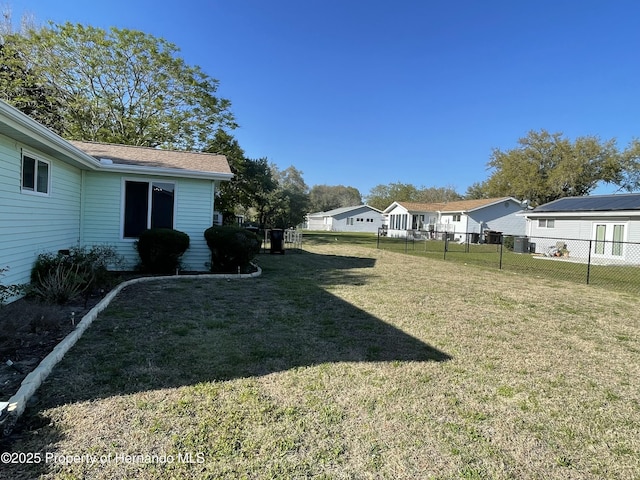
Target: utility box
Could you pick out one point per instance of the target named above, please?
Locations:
(521, 245)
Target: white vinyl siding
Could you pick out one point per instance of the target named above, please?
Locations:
(33, 224)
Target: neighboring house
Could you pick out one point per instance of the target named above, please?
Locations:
(361, 218)
(457, 218)
(56, 194)
(610, 222)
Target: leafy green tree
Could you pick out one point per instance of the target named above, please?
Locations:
(21, 87)
(477, 191)
(234, 195)
(545, 167)
(436, 195)
(290, 200)
(382, 196)
(125, 86)
(260, 188)
(324, 197)
(631, 161)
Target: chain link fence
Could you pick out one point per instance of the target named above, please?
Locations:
(611, 264)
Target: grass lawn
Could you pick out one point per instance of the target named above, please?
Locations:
(344, 361)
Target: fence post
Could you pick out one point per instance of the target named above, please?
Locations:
(589, 262)
(501, 243)
(446, 245)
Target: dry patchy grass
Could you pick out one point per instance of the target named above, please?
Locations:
(347, 362)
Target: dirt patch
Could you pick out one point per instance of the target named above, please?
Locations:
(29, 331)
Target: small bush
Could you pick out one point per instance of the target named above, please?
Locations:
(508, 243)
(231, 247)
(160, 250)
(8, 291)
(58, 278)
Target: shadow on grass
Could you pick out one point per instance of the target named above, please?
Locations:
(168, 334)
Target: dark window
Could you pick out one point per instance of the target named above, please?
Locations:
(35, 175)
(138, 196)
(136, 207)
(162, 205)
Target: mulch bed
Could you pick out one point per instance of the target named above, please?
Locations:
(29, 331)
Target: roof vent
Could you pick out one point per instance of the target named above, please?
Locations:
(106, 161)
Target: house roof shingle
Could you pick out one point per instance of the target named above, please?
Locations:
(457, 206)
(154, 157)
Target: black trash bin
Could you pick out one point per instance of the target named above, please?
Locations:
(475, 238)
(277, 241)
(492, 237)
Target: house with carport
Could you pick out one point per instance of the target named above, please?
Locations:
(457, 218)
(360, 218)
(57, 194)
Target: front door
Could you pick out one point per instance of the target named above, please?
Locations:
(609, 239)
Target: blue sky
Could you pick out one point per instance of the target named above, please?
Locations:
(368, 92)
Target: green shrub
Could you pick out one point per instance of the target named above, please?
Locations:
(59, 277)
(508, 242)
(231, 248)
(160, 250)
(8, 291)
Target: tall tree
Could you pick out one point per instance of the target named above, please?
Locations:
(477, 191)
(125, 86)
(324, 197)
(234, 195)
(290, 200)
(382, 196)
(547, 166)
(261, 188)
(436, 195)
(631, 160)
(21, 87)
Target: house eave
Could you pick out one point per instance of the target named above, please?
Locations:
(30, 133)
(165, 172)
(583, 213)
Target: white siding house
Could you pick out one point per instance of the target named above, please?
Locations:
(361, 218)
(603, 227)
(56, 194)
(457, 218)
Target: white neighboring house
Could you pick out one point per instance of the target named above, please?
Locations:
(457, 218)
(610, 224)
(56, 194)
(361, 218)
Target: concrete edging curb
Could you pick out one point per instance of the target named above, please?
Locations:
(16, 405)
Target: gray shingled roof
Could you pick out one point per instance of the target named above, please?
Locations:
(595, 203)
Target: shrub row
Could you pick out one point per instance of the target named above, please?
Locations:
(58, 278)
(232, 248)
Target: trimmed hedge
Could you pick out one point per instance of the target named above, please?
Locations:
(160, 250)
(231, 247)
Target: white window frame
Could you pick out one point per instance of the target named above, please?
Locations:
(38, 160)
(546, 223)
